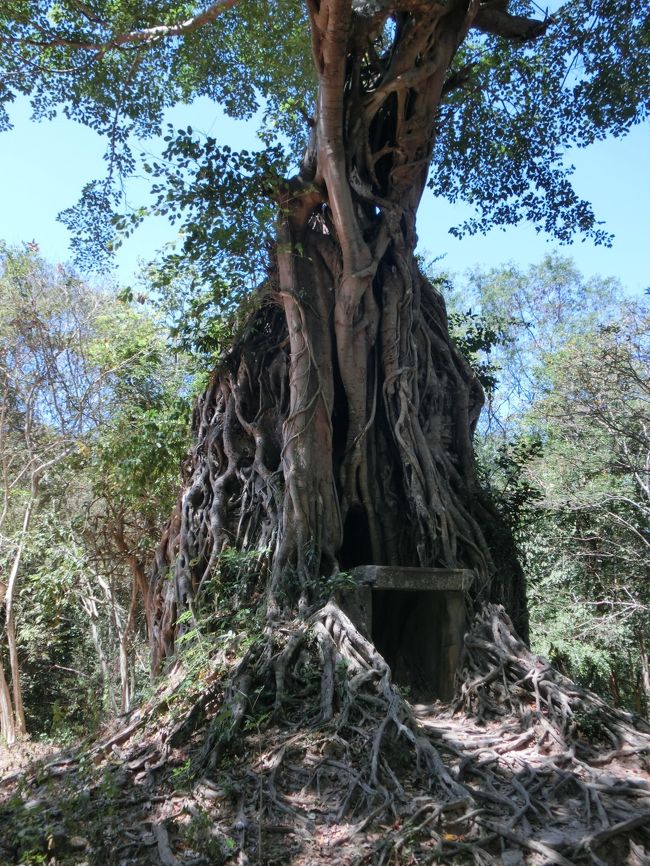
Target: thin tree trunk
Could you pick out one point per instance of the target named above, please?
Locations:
(614, 687)
(10, 625)
(14, 666)
(90, 607)
(125, 669)
(645, 670)
(123, 627)
(7, 721)
(138, 587)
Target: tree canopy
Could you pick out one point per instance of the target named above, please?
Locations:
(564, 447)
(510, 108)
(363, 104)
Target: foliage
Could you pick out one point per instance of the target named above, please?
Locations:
(511, 108)
(226, 201)
(512, 102)
(136, 453)
(202, 318)
(565, 452)
(502, 148)
(94, 423)
(476, 337)
(122, 93)
(594, 418)
(503, 466)
(60, 677)
(536, 310)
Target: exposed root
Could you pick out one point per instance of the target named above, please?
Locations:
(500, 674)
(306, 753)
(314, 465)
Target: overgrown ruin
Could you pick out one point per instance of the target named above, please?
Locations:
(417, 618)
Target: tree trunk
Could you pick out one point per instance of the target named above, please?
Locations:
(7, 720)
(89, 605)
(14, 666)
(339, 430)
(138, 587)
(645, 671)
(7, 596)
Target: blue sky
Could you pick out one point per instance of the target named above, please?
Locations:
(43, 167)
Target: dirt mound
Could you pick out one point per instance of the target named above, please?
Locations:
(215, 772)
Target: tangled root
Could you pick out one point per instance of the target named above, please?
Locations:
(307, 753)
(509, 773)
(501, 675)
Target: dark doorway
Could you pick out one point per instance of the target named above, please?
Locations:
(419, 633)
(356, 548)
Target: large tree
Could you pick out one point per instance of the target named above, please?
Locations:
(338, 430)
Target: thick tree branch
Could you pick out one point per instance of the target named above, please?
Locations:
(137, 37)
(457, 79)
(332, 63)
(498, 22)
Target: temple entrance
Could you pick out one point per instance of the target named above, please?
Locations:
(416, 632)
(416, 619)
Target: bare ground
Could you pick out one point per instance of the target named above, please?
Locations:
(21, 755)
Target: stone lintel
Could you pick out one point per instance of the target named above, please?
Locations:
(429, 579)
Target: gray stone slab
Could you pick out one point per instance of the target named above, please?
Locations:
(429, 579)
(357, 604)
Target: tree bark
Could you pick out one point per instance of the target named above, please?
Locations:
(7, 720)
(338, 432)
(89, 605)
(7, 596)
(645, 671)
(123, 627)
(138, 588)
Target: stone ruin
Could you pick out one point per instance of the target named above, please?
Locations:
(416, 617)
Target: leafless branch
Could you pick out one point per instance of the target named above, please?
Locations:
(498, 22)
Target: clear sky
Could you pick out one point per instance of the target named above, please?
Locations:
(43, 167)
